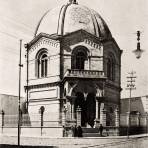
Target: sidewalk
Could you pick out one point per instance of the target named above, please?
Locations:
(86, 142)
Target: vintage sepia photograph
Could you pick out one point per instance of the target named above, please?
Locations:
(73, 73)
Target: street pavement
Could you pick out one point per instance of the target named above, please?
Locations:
(136, 141)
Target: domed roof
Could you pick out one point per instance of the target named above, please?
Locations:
(72, 17)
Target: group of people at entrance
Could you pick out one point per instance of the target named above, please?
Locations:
(77, 131)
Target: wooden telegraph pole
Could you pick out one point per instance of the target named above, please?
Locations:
(19, 101)
(130, 86)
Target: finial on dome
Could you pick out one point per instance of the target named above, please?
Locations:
(73, 1)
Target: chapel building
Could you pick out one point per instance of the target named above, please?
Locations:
(74, 63)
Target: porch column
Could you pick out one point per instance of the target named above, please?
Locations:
(72, 111)
(78, 116)
(117, 117)
(128, 119)
(146, 122)
(1, 121)
(97, 113)
(72, 100)
(63, 117)
(145, 119)
(138, 119)
(102, 114)
(2, 118)
(117, 121)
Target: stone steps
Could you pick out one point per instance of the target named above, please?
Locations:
(91, 132)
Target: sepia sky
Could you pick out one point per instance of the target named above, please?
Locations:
(18, 20)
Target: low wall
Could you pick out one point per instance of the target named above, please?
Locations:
(132, 130)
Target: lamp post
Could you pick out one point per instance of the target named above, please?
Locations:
(138, 51)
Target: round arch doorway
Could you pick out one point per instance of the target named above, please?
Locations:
(88, 108)
(91, 109)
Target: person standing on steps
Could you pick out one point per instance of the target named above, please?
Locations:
(74, 131)
(101, 129)
(79, 131)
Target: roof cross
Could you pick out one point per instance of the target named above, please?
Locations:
(73, 1)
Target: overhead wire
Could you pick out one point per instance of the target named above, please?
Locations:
(6, 49)
(29, 28)
(22, 25)
(13, 36)
(9, 34)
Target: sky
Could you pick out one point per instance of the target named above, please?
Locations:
(19, 18)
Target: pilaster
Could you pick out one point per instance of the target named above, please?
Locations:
(102, 115)
(138, 120)
(97, 114)
(117, 117)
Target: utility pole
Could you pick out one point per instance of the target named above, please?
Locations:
(130, 86)
(19, 101)
(27, 48)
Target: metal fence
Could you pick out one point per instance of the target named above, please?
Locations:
(35, 120)
(56, 119)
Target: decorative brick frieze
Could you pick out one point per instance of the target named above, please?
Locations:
(44, 41)
(92, 44)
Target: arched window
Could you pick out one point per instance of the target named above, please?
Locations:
(44, 63)
(79, 57)
(111, 68)
(80, 60)
(41, 64)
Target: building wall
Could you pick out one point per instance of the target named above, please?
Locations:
(112, 94)
(139, 104)
(9, 104)
(98, 55)
(53, 49)
(111, 48)
(48, 96)
(95, 50)
(44, 91)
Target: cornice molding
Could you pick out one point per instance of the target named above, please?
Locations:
(42, 85)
